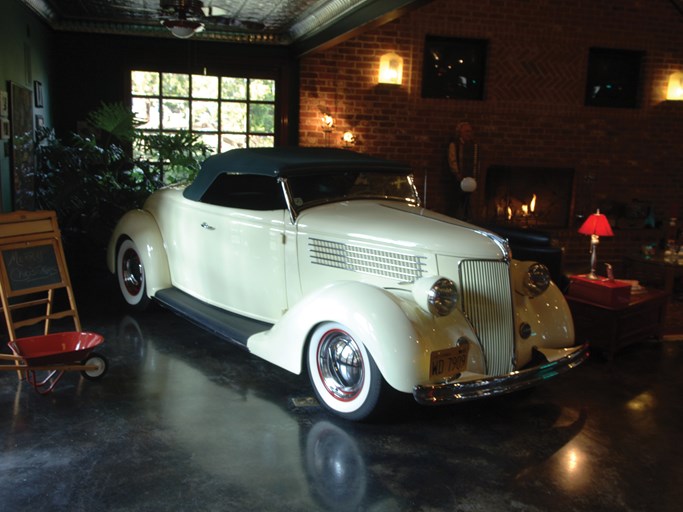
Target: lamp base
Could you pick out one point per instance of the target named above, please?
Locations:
(594, 257)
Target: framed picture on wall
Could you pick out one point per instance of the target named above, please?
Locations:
(38, 94)
(22, 156)
(4, 104)
(4, 128)
(613, 78)
(454, 68)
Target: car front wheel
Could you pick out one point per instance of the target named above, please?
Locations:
(344, 376)
(130, 273)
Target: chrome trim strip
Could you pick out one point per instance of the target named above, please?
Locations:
(451, 392)
(502, 243)
(285, 190)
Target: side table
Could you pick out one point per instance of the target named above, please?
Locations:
(610, 328)
(669, 270)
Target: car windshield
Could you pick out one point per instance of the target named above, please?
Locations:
(314, 189)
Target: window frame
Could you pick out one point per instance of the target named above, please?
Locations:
(249, 134)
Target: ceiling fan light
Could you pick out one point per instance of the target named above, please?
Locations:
(183, 29)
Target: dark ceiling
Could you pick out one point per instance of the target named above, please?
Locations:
(306, 25)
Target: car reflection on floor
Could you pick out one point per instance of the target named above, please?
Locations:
(185, 417)
(232, 435)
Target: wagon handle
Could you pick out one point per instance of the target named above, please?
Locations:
(9, 357)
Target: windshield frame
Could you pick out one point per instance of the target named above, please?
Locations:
(295, 209)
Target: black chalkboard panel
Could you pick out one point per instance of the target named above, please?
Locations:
(32, 267)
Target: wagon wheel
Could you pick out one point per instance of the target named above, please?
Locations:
(344, 375)
(130, 274)
(100, 362)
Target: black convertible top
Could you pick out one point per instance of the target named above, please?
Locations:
(284, 162)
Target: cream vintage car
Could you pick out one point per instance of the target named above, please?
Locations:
(323, 260)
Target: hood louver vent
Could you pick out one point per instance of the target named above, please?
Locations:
(401, 267)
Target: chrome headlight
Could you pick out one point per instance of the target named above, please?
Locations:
(537, 279)
(436, 295)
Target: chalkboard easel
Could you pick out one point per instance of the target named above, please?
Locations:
(32, 268)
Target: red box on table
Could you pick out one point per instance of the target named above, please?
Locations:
(612, 293)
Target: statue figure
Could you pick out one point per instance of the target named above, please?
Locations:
(463, 163)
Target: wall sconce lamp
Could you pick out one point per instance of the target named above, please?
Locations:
(390, 69)
(348, 139)
(327, 122)
(675, 90)
(596, 225)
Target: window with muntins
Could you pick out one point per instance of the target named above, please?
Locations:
(226, 112)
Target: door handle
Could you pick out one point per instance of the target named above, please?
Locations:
(207, 226)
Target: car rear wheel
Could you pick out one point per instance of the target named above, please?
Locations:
(344, 376)
(130, 273)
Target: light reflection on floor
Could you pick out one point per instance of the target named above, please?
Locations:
(184, 421)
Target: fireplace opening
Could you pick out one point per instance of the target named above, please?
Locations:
(529, 196)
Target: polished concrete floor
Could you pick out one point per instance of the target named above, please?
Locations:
(185, 421)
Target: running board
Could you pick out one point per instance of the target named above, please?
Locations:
(229, 326)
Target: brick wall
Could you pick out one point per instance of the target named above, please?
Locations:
(533, 114)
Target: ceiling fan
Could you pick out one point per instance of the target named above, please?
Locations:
(184, 15)
(185, 18)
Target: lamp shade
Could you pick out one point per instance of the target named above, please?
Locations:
(183, 29)
(675, 89)
(596, 224)
(326, 122)
(390, 69)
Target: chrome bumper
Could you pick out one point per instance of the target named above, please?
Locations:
(450, 392)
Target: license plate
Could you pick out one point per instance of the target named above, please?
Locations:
(449, 362)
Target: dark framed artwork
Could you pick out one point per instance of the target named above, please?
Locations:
(613, 78)
(38, 94)
(454, 68)
(4, 104)
(4, 128)
(22, 157)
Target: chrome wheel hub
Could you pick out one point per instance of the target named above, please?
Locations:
(132, 272)
(340, 363)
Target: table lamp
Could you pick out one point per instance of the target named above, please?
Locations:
(596, 225)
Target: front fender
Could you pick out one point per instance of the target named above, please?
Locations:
(397, 333)
(548, 315)
(142, 229)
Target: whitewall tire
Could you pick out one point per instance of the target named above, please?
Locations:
(130, 273)
(344, 376)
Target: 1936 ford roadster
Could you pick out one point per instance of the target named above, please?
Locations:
(324, 260)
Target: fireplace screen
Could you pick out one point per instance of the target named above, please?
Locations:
(529, 196)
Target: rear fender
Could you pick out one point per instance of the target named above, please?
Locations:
(142, 229)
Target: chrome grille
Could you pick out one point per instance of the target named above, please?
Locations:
(401, 267)
(487, 302)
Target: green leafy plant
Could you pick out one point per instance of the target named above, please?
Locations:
(116, 120)
(91, 179)
(172, 158)
(86, 184)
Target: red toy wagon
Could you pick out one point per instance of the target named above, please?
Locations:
(32, 273)
(55, 354)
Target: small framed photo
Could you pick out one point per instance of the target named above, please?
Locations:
(613, 78)
(454, 68)
(4, 128)
(38, 94)
(4, 104)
